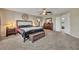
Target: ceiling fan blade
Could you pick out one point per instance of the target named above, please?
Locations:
(45, 12)
(49, 12)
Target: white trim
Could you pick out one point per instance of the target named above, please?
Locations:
(73, 35)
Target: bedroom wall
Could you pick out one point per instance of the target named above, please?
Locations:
(34, 19)
(3, 17)
(11, 16)
(74, 22)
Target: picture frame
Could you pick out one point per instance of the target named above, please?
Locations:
(25, 17)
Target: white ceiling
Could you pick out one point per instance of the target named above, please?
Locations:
(37, 11)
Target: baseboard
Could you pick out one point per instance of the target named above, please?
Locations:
(72, 35)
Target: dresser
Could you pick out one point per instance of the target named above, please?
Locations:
(48, 26)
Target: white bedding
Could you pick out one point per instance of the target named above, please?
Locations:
(26, 29)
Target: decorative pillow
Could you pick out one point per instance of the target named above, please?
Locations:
(22, 26)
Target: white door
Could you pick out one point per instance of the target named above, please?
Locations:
(58, 24)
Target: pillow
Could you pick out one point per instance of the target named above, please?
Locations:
(23, 26)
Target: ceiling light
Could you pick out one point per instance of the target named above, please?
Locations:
(63, 18)
(45, 12)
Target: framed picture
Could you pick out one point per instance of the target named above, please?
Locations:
(25, 16)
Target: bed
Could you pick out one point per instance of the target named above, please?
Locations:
(25, 28)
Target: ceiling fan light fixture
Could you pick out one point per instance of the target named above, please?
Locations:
(45, 12)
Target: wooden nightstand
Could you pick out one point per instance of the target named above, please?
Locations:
(10, 31)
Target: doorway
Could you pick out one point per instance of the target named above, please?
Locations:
(63, 23)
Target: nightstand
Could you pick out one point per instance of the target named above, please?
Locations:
(10, 31)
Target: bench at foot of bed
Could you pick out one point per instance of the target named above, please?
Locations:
(36, 36)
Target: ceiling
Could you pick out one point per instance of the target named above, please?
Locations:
(37, 11)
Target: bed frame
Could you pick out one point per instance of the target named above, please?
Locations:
(23, 22)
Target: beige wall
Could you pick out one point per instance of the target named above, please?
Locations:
(74, 22)
(3, 17)
(11, 16)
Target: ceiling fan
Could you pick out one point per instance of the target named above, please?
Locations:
(45, 12)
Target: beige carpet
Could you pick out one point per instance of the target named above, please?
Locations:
(52, 41)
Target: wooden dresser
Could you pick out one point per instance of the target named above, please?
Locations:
(48, 26)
